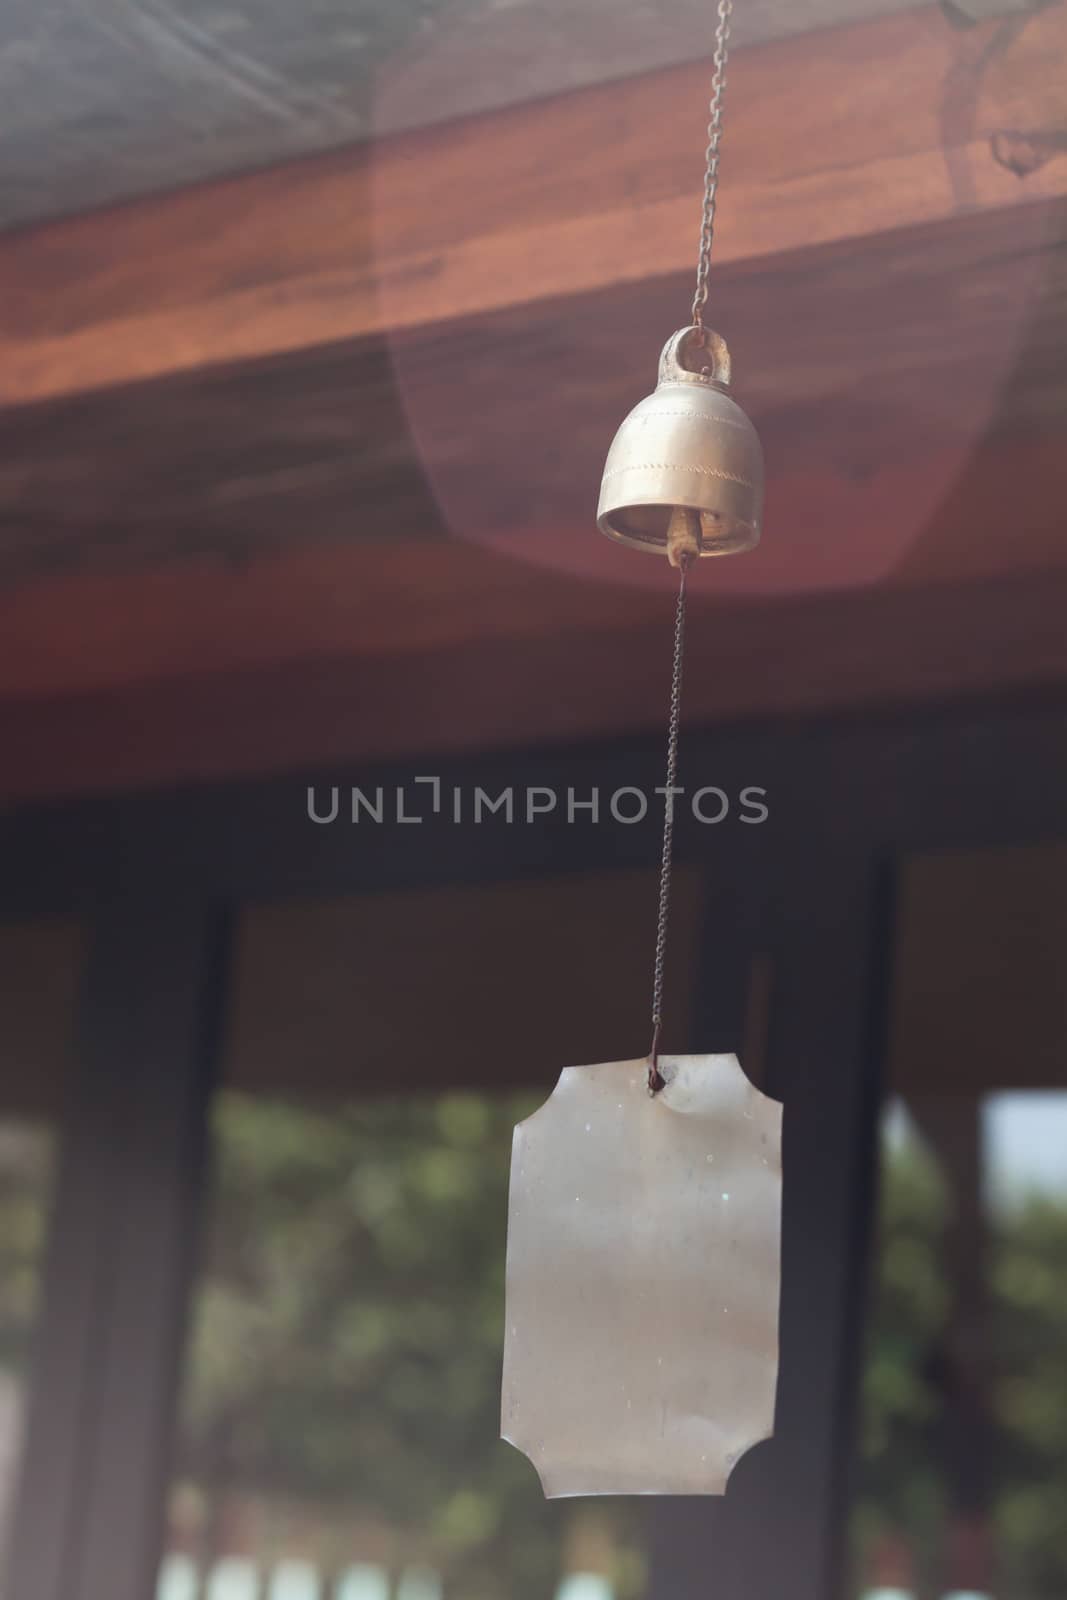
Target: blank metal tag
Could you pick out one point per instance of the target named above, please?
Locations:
(641, 1344)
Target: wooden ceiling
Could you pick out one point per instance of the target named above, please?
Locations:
(107, 100)
(300, 466)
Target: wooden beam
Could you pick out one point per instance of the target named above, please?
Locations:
(880, 374)
(811, 656)
(912, 524)
(245, 568)
(843, 134)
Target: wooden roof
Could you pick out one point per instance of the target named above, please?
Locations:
(105, 101)
(300, 465)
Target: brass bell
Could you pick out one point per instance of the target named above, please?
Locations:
(685, 470)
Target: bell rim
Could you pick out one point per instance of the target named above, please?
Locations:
(745, 537)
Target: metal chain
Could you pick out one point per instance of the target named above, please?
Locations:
(655, 1078)
(711, 174)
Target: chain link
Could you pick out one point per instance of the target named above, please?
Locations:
(655, 1079)
(711, 174)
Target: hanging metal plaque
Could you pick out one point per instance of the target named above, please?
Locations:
(641, 1347)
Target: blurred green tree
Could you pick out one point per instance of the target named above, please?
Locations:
(903, 1497)
(1028, 1270)
(900, 1492)
(348, 1334)
(346, 1342)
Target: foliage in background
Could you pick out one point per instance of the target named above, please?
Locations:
(1028, 1269)
(902, 1490)
(25, 1185)
(345, 1353)
(900, 1484)
(348, 1337)
(26, 1152)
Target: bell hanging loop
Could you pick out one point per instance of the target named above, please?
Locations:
(685, 470)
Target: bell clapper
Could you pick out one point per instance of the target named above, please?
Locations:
(683, 536)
